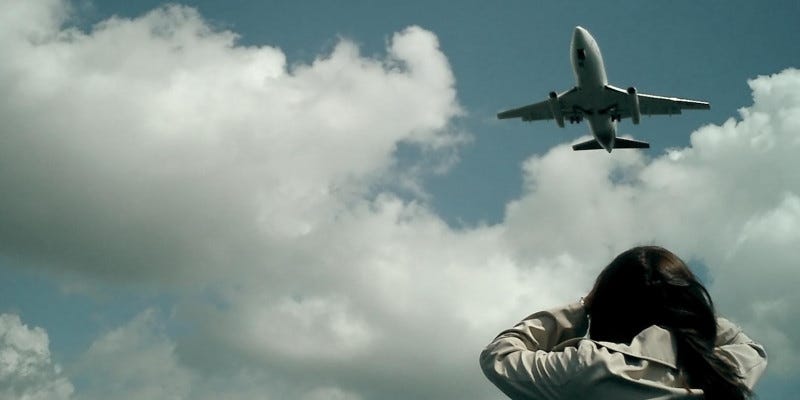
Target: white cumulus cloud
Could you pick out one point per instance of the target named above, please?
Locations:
(152, 147)
(27, 371)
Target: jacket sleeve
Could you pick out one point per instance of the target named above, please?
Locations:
(747, 356)
(519, 361)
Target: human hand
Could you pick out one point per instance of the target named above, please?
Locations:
(586, 301)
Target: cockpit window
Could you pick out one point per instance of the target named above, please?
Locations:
(581, 54)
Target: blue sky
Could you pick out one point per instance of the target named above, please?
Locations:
(170, 203)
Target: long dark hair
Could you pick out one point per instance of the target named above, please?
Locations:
(649, 285)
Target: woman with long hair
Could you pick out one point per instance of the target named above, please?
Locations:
(652, 334)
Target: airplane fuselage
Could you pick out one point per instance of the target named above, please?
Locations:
(602, 105)
(591, 79)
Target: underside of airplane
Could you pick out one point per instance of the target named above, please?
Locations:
(602, 105)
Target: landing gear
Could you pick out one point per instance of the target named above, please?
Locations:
(616, 117)
(576, 119)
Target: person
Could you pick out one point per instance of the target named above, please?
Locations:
(652, 334)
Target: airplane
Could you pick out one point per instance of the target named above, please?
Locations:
(603, 105)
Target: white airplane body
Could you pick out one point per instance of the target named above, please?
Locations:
(601, 104)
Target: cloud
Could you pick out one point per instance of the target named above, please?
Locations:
(134, 361)
(158, 151)
(137, 360)
(27, 371)
(386, 295)
(330, 394)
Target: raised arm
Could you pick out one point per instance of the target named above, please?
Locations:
(747, 356)
(519, 361)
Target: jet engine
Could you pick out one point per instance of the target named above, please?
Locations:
(555, 108)
(636, 113)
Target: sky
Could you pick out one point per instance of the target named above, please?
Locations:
(314, 200)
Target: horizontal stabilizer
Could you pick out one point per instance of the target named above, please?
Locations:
(620, 143)
(587, 145)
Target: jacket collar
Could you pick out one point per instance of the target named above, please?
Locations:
(654, 343)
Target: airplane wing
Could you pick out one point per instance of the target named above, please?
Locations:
(650, 104)
(541, 110)
(531, 112)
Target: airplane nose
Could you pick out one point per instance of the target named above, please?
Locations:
(579, 37)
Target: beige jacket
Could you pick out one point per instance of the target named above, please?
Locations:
(546, 356)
